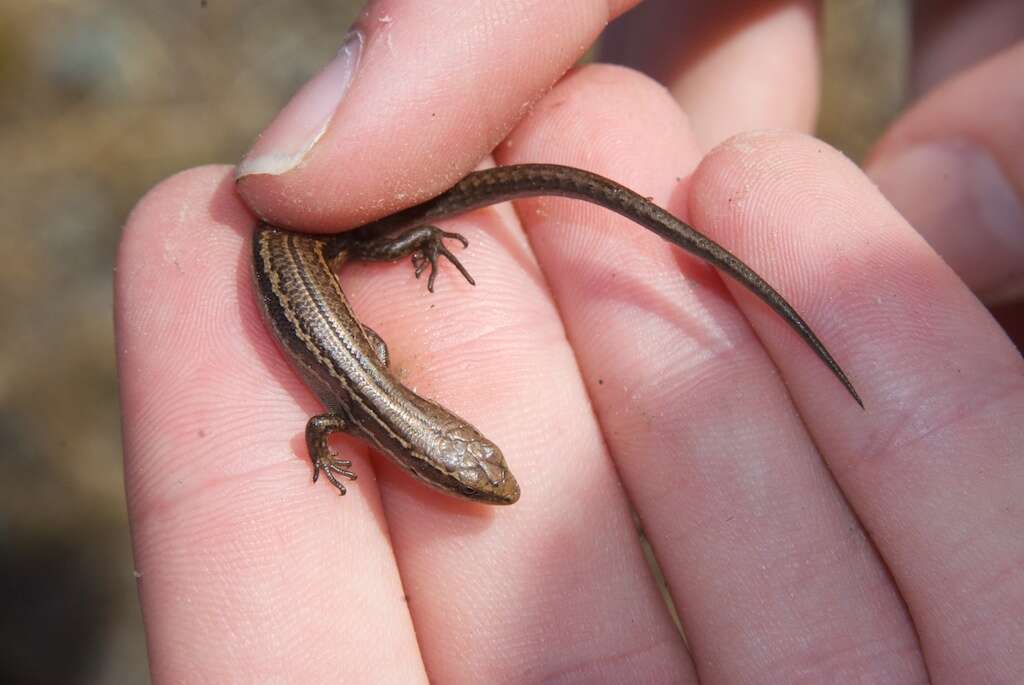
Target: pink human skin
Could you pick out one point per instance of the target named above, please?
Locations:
(801, 537)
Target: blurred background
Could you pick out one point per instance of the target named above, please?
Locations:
(99, 100)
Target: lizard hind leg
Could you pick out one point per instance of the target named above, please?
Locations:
(424, 243)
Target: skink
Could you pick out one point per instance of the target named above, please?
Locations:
(345, 363)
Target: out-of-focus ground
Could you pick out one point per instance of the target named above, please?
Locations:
(99, 100)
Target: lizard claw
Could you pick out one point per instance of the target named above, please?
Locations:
(332, 465)
(434, 247)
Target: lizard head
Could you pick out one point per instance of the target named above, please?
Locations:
(466, 464)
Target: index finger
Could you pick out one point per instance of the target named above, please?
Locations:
(411, 80)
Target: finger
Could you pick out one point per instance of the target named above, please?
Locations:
(733, 66)
(559, 580)
(728, 485)
(952, 166)
(247, 571)
(932, 467)
(361, 139)
(952, 35)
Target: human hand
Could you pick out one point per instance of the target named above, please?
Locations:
(800, 536)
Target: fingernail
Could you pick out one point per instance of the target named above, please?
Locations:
(297, 128)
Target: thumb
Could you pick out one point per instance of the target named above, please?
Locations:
(360, 139)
